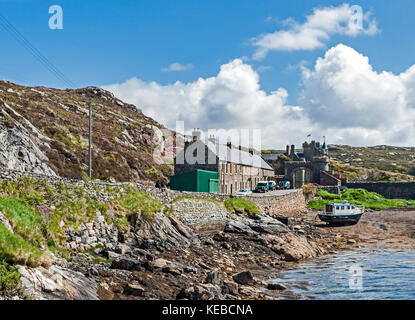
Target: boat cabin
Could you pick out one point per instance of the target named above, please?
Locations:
(340, 208)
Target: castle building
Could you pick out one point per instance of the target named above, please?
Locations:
(312, 165)
(204, 162)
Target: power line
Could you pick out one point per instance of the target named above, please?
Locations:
(32, 50)
(8, 26)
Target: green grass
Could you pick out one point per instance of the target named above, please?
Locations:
(140, 202)
(134, 202)
(9, 276)
(241, 205)
(60, 137)
(39, 214)
(14, 249)
(24, 220)
(360, 197)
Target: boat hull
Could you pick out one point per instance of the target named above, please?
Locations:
(337, 219)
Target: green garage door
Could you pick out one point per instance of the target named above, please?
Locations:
(213, 185)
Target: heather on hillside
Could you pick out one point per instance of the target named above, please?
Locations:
(50, 126)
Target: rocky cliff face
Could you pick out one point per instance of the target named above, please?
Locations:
(45, 131)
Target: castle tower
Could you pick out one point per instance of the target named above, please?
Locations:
(319, 164)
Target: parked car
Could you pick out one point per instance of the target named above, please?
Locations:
(272, 185)
(316, 184)
(244, 192)
(262, 186)
(284, 184)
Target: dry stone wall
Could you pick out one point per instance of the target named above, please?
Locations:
(192, 208)
(91, 234)
(287, 205)
(199, 211)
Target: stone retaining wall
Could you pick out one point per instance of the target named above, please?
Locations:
(199, 211)
(288, 204)
(90, 234)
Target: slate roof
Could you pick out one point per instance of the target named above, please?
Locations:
(270, 156)
(224, 153)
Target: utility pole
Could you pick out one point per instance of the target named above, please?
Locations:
(151, 138)
(90, 141)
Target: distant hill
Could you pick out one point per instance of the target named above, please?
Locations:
(377, 163)
(392, 163)
(45, 131)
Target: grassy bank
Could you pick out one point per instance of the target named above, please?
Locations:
(241, 205)
(361, 197)
(39, 214)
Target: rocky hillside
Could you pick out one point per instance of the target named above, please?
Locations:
(377, 163)
(45, 131)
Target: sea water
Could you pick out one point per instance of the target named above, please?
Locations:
(363, 274)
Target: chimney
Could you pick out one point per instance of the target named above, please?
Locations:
(196, 134)
(287, 150)
(212, 139)
(292, 149)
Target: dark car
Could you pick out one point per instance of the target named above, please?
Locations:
(272, 185)
(262, 186)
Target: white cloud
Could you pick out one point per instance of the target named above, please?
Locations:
(342, 98)
(316, 30)
(356, 104)
(177, 67)
(230, 100)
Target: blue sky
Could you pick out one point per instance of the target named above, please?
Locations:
(109, 42)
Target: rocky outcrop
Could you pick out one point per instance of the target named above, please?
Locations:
(163, 232)
(5, 222)
(57, 283)
(256, 224)
(19, 152)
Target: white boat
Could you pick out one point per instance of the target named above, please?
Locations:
(341, 213)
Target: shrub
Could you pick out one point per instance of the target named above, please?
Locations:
(309, 190)
(133, 203)
(327, 195)
(9, 276)
(241, 205)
